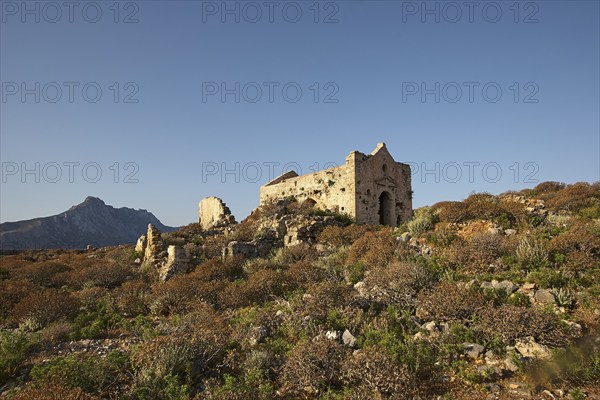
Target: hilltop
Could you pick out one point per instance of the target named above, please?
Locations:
(493, 297)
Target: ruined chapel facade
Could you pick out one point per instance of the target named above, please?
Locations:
(372, 188)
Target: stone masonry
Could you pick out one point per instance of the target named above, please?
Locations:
(214, 213)
(372, 188)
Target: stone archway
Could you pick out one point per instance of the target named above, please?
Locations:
(386, 209)
(309, 203)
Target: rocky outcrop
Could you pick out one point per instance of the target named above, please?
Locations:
(214, 213)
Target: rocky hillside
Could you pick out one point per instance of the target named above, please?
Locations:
(89, 223)
(493, 297)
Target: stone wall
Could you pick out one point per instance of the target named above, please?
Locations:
(214, 213)
(331, 189)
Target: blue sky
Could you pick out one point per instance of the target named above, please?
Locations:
(506, 87)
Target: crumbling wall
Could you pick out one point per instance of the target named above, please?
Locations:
(331, 189)
(214, 213)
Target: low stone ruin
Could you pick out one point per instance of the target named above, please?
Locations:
(240, 249)
(169, 263)
(296, 229)
(177, 263)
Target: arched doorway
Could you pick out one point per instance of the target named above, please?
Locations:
(309, 203)
(386, 209)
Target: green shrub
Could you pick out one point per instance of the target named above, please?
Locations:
(93, 325)
(518, 299)
(93, 375)
(14, 347)
(423, 220)
(252, 384)
(531, 253)
(399, 283)
(355, 272)
(165, 367)
(548, 278)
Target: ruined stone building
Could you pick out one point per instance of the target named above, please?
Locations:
(372, 188)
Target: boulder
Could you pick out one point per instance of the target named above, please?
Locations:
(528, 287)
(348, 339)
(258, 334)
(544, 296)
(507, 286)
(528, 347)
(405, 237)
(510, 364)
(473, 350)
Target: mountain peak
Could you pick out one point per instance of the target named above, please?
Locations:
(93, 200)
(90, 222)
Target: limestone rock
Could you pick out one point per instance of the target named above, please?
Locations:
(507, 286)
(544, 296)
(294, 229)
(213, 213)
(348, 339)
(528, 287)
(473, 350)
(528, 347)
(405, 237)
(177, 263)
(258, 335)
(510, 365)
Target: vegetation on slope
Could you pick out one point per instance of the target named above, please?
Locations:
(492, 295)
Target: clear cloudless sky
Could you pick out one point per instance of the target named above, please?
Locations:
(397, 72)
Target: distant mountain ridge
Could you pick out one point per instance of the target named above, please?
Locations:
(92, 222)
